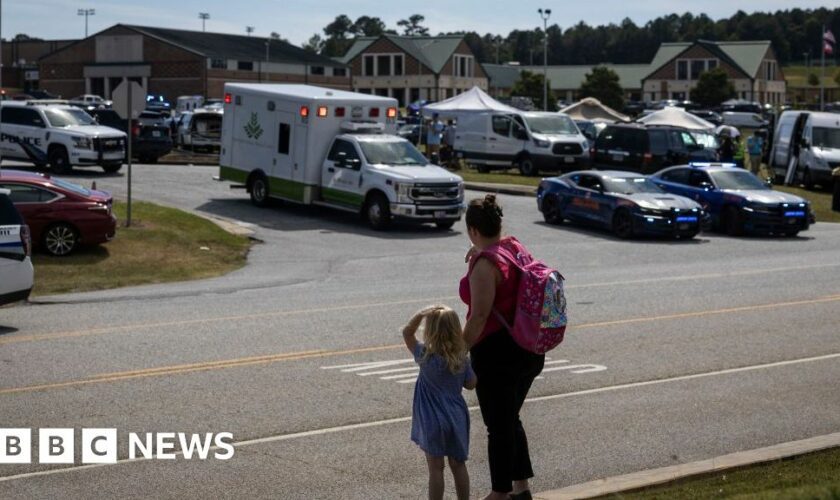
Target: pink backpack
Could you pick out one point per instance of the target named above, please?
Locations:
(539, 323)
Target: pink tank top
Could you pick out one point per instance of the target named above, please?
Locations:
(506, 290)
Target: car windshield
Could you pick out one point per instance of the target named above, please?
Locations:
(392, 153)
(630, 185)
(737, 180)
(69, 186)
(549, 124)
(706, 140)
(68, 117)
(826, 137)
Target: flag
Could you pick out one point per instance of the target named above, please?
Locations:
(828, 36)
(828, 49)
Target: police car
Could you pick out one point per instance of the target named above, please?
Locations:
(16, 272)
(738, 201)
(58, 135)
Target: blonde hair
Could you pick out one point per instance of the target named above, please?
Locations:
(444, 337)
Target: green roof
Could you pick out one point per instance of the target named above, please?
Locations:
(431, 51)
(744, 56)
(666, 52)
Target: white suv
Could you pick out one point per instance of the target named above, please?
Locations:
(59, 135)
(16, 272)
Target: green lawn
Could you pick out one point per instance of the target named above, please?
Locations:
(162, 245)
(820, 200)
(797, 76)
(814, 476)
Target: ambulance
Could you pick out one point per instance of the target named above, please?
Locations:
(318, 146)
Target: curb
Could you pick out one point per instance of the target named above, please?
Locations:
(653, 477)
(510, 189)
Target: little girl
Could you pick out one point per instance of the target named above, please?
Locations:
(440, 422)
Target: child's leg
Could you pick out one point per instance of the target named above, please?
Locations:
(435, 477)
(462, 478)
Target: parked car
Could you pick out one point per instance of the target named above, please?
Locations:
(204, 132)
(708, 115)
(590, 129)
(92, 100)
(645, 149)
(148, 142)
(411, 133)
(180, 126)
(627, 203)
(151, 118)
(157, 102)
(743, 119)
(61, 215)
(16, 273)
(737, 200)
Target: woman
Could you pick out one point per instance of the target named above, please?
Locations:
(505, 371)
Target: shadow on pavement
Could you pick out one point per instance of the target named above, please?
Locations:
(598, 232)
(281, 216)
(6, 330)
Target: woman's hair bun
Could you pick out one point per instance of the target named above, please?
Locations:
(490, 206)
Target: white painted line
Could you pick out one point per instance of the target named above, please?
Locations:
(557, 362)
(394, 370)
(409, 381)
(379, 423)
(577, 368)
(359, 367)
(404, 375)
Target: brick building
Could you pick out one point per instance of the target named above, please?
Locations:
(178, 62)
(752, 67)
(412, 68)
(20, 62)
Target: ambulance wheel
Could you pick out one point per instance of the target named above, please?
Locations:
(377, 211)
(259, 191)
(59, 162)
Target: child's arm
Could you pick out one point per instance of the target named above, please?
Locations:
(410, 331)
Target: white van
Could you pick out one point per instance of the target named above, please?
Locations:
(59, 135)
(742, 119)
(531, 141)
(188, 103)
(818, 148)
(319, 146)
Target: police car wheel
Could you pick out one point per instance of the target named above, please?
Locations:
(259, 191)
(551, 210)
(59, 162)
(623, 224)
(60, 239)
(446, 225)
(378, 212)
(733, 223)
(112, 168)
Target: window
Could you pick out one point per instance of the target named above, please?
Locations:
(698, 66)
(398, 65)
(9, 216)
(698, 179)
(678, 176)
(13, 115)
(339, 71)
(771, 70)
(283, 138)
(218, 63)
(316, 70)
(658, 142)
(363, 91)
(711, 64)
(462, 66)
(383, 65)
(245, 65)
(29, 194)
(682, 70)
(590, 182)
(345, 149)
(501, 125)
(368, 64)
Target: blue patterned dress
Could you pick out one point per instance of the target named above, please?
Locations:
(440, 423)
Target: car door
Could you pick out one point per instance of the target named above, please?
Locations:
(341, 174)
(702, 190)
(24, 134)
(35, 204)
(674, 180)
(588, 203)
(502, 145)
(12, 252)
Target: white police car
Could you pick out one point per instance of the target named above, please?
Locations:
(16, 273)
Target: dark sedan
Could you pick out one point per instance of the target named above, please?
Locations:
(738, 201)
(150, 141)
(629, 204)
(60, 215)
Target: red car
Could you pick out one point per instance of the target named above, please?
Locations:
(61, 215)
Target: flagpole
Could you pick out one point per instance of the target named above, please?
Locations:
(822, 78)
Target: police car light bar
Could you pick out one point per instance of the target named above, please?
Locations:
(703, 164)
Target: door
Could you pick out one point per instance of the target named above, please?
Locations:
(23, 134)
(35, 205)
(589, 203)
(502, 145)
(282, 164)
(12, 251)
(341, 175)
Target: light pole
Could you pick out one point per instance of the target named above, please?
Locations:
(87, 13)
(249, 30)
(204, 16)
(273, 36)
(544, 15)
(498, 41)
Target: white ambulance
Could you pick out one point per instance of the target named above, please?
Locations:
(318, 146)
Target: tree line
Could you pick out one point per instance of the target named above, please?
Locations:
(795, 34)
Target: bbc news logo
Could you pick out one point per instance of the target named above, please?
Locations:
(99, 446)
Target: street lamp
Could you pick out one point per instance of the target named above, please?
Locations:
(249, 30)
(498, 42)
(273, 36)
(87, 13)
(204, 16)
(544, 15)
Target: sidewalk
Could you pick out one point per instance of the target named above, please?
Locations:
(663, 475)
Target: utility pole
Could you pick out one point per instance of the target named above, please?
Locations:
(544, 15)
(204, 16)
(87, 13)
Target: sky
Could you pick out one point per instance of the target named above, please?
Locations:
(297, 20)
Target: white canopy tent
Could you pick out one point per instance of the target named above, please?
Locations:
(592, 109)
(677, 117)
(474, 100)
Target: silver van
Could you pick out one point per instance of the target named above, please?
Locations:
(815, 138)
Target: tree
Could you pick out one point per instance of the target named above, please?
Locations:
(337, 43)
(368, 26)
(314, 44)
(713, 88)
(813, 80)
(531, 85)
(413, 27)
(603, 84)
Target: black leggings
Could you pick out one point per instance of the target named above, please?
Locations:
(505, 372)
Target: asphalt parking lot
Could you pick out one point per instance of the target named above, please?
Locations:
(678, 351)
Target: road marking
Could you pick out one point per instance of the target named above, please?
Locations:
(36, 337)
(404, 375)
(390, 421)
(587, 368)
(215, 365)
(395, 370)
